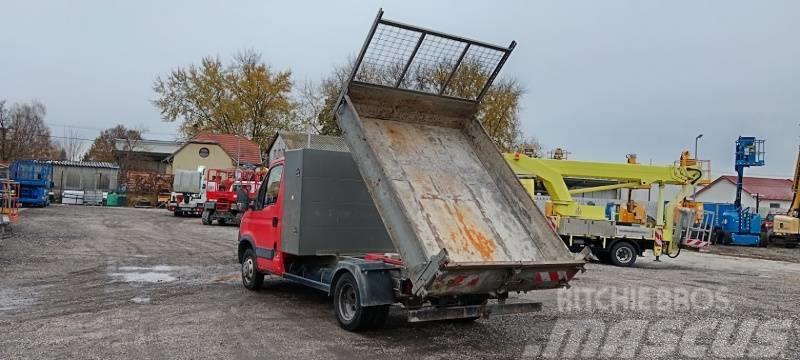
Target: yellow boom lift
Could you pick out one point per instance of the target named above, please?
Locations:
(618, 235)
(786, 228)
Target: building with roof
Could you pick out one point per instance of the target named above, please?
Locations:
(83, 176)
(288, 140)
(216, 151)
(772, 194)
(145, 155)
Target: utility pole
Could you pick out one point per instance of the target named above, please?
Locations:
(696, 157)
(3, 144)
(238, 150)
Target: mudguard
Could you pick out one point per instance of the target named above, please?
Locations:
(374, 280)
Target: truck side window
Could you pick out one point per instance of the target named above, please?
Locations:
(269, 194)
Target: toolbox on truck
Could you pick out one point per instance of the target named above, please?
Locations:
(327, 209)
(452, 207)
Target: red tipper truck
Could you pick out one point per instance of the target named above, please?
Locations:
(422, 212)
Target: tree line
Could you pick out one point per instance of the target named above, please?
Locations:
(249, 98)
(25, 136)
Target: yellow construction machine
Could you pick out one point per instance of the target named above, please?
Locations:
(615, 232)
(786, 228)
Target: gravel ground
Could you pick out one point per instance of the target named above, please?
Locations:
(770, 253)
(85, 282)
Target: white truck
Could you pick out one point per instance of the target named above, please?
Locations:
(187, 194)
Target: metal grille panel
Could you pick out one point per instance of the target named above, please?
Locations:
(412, 58)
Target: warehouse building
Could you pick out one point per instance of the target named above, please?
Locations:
(83, 176)
(145, 155)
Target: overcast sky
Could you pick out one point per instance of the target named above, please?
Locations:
(602, 78)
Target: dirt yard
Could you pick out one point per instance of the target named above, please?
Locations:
(117, 283)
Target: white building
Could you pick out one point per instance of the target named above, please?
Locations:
(287, 140)
(773, 194)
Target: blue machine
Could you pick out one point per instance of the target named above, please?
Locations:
(742, 226)
(35, 181)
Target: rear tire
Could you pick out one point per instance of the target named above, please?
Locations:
(623, 254)
(350, 315)
(251, 278)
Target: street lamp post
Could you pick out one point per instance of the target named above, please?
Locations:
(696, 157)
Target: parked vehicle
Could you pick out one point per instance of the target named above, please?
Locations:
(742, 225)
(785, 229)
(186, 197)
(35, 179)
(422, 212)
(227, 193)
(617, 234)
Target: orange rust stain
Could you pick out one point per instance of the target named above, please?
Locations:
(479, 241)
(397, 138)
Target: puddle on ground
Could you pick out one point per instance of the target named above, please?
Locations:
(147, 274)
(150, 276)
(141, 300)
(159, 268)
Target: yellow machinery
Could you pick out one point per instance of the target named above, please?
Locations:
(786, 228)
(9, 205)
(627, 232)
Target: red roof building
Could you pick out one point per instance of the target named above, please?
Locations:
(772, 193)
(237, 147)
(215, 151)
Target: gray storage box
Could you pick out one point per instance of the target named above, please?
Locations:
(327, 209)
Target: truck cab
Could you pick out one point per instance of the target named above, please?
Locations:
(261, 226)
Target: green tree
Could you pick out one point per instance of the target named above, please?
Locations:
(245, 98)
(102, 148)
(498, 112)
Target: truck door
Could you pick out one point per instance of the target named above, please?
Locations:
(266, 223)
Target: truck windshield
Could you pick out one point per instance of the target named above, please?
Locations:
(273, 185)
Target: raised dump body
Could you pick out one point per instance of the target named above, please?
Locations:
(453, 208)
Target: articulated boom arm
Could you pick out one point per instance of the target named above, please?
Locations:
(553, 172)
(794, 210)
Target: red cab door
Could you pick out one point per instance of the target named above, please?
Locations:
(263, 223)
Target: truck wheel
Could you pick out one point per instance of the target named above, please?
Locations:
(251, 278)
(350, 315)
(221, 221)
(623, 254)
(206, 217)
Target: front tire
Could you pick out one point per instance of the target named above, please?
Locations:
(206, 217)
(251, 278)
(350, 315)
(623, 254)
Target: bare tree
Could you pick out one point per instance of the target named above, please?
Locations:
(310, 103)
(23, 134)
(72, 145)
(530, 146)
(103, 147)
